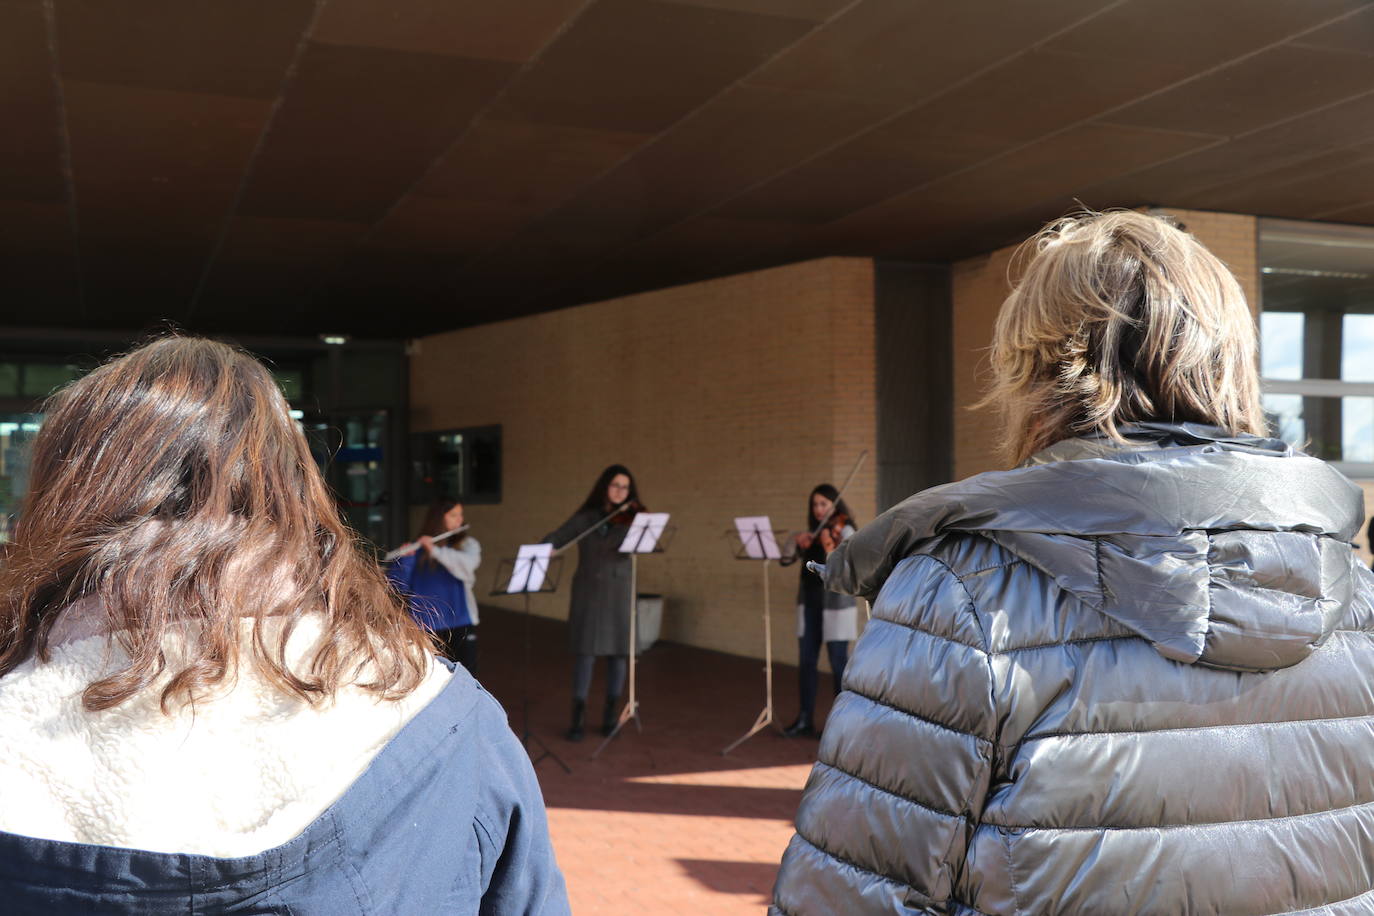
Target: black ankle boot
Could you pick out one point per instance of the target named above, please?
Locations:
(579, 717)
(609, 714)
(802, 728)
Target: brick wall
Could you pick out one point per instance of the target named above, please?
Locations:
(981, 284)
(978, 287)
(728, 397)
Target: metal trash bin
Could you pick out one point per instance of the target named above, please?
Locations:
(648, 620)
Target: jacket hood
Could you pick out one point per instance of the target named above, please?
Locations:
(1232, 552)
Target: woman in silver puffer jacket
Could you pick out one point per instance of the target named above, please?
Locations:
(1133, 675)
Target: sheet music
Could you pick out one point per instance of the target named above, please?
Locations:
(756, 533)
(531, 565)
(644, 532)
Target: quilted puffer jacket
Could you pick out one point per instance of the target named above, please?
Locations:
(1119, 679)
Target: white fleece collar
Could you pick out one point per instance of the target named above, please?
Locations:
(237, 775)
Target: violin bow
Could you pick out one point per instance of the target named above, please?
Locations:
(614, 512)
(835, 504)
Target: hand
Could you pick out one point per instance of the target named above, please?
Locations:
(427, 543)
(804, 540)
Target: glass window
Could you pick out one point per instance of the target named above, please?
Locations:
(1357, 430)
(460, 464)
(292, 382)
(1281, 344)
(1304, 421)
(16, 434)
(1357, 348)
(1284, 412)
(1317, 338)
(42, 379)
(350, 448)
(9, 380)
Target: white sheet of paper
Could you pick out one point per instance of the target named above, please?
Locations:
(644, 532)
(531, 565)
(756, 533)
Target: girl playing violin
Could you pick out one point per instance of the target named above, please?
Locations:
(822, 616)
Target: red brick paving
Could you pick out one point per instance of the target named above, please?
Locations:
(660, 822)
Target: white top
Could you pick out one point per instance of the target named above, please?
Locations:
(244, 772)
(462, 562)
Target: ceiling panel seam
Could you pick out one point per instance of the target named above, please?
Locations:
(925, 100)
(478, 116)
(65, 145)
(1218, 142)
(1100, 118)
(1295, 159)
(1348, 205)
(323, 283)
(1326, 49)
(658, 138)
(1196, 189)
(288, 77)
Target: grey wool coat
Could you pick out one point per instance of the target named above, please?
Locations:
(599, 609)
(1120, 680)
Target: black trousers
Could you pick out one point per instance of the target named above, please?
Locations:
(809, 652)
(460, 645)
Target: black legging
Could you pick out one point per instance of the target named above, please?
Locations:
(460, 645)
(616, 668)
(809, 652)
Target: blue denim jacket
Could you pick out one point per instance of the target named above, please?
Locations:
(448, 818)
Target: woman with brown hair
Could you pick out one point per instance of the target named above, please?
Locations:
(436, 581)
(209, 696)
(1133, 674)
(822, 616)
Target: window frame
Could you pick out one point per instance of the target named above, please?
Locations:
(1318, 233)
(422, 465)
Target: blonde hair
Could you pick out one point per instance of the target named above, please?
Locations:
(1121, 317)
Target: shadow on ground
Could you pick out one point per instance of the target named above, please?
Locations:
(726, 877)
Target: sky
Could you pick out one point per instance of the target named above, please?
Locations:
(1281, 336)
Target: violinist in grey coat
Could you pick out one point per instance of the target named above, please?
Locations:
(599, 610)
(1135, 674)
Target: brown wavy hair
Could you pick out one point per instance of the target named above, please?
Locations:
(434, 526)
(1121, 317)
(172, 487)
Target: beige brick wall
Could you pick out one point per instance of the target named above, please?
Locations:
(728, 397)
(978, 287)
(981, 284)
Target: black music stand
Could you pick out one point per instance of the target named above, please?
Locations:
(649, 533)
(551, 567)
(756, 542)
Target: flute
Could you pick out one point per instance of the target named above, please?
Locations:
(406, 550)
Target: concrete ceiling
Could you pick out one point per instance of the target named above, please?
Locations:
(392, 167)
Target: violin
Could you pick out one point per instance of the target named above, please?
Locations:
(627, 512)
(832, 532)
(829, 532)
(828, 535)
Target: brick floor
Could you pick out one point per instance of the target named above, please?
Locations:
(660, 822)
